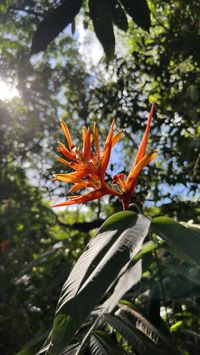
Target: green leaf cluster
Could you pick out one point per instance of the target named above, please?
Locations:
(152, 304)
(103, 15)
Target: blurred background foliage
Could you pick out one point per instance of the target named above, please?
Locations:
(38, 246)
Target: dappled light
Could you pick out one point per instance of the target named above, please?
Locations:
(115, 269)
(7, 91)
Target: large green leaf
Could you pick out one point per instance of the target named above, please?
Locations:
(126, 328)
(118, 16)
(139, 11)
(105, 258)
(128, 279)
(154, 304)
(101, 15)
(183, 239)
(186, 270)
(140, 333)
(34, 345)
(102, 344)
(71, 349)
(147, 248)
(54, 23)
(179, 288)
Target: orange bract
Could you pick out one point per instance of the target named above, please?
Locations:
(90, 165)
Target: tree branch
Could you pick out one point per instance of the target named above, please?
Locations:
(82, 226)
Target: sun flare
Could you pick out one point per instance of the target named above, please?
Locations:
(7, 91)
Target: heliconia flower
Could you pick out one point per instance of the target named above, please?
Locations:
(90, 166)
(128, 185)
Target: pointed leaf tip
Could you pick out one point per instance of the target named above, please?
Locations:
(103, 27)
(105, 258)
(139, 11)
(54, 23)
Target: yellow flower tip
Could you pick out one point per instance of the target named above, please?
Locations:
(91, 138)
(96, 139)
(66, 133)
(59, 143)
(95, 131)
(135, 171)
(153, 154)
(117, 137)
(84, 130)
(63, 125)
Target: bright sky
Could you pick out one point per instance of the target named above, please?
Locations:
(7, 91)
(89, 46)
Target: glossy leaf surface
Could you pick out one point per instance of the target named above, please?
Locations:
(183, 239)
(140, 333)
(105, 258)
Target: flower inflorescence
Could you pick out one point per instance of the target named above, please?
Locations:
(90, 166)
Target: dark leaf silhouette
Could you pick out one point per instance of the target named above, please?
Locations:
(140, 333)
(54, 23)
(139, 11)
(119, 17)
(102, 343)
(101, 15)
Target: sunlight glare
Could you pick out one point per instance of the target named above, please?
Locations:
(7, 91)
(89, 46)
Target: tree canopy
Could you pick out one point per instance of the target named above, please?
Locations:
(158, 62)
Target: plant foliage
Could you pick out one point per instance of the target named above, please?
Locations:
(152, 304)
(103, 15)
